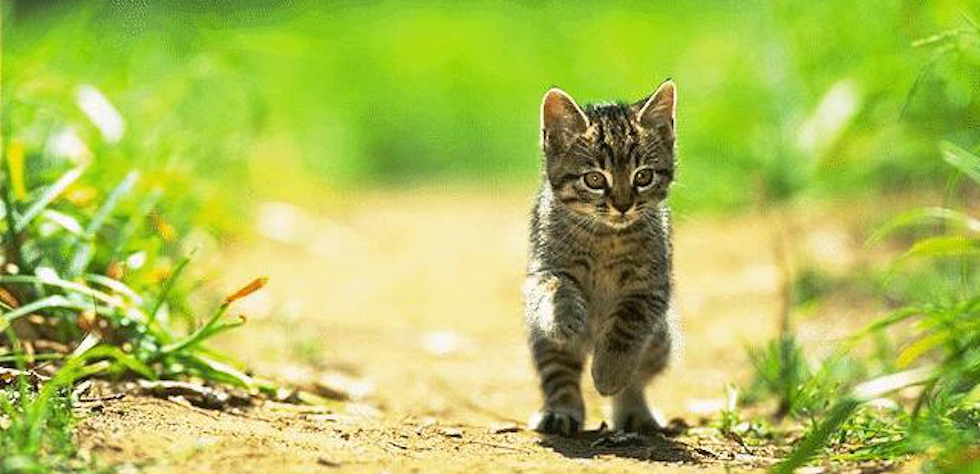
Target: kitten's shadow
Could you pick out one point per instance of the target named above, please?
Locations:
(589, 444)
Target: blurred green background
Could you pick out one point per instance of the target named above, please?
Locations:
(227, 101)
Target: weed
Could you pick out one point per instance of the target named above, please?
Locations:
(942, 422)
(74, 278)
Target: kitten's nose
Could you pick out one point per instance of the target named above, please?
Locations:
(622, 206)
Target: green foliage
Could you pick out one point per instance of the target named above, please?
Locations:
(780, 370)
(944, 339)
(97, 276)
(39, 437)
(386, 93)
(944, 344)
(817, 437)
(61, 273)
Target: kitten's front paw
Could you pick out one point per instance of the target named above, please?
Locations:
(557, 420)
(612, 371)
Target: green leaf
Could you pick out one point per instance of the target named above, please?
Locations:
(121, 358)
(168, 286)
(217, 369)
(78, 288)
(84, 253)
(211, 328)
(50, 194)
(54, 301)
(64, 221)
(918, 348)
(817, 438)
(924, 216)
(115, 285)
(963, 160)
(942, 247)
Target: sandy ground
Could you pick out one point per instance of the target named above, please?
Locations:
(411, 306)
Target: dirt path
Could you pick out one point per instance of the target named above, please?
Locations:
(418, 303)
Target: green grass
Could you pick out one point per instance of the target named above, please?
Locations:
(927, 344)
(936, 352)
(62, 274)
(38, 435)
(102, 276)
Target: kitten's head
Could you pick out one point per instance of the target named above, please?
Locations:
(609, 163)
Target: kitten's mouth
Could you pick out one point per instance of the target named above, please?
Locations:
(620, 221)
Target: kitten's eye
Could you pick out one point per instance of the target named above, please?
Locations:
(594, 180)
(643, 178)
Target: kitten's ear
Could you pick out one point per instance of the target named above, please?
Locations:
(657, 113)
(561, 118)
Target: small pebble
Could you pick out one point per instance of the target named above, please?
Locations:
(505, 428)
(451, 432)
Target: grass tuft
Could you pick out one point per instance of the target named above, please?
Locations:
(93, 283)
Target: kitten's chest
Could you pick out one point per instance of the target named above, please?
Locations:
(619, 266)
(603, 290)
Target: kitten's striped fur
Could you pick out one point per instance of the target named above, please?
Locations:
(599, 270)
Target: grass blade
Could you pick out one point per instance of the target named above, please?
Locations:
(133, 224)
(844, 408)
(219, 370)
(920, 347)
(115, 285)
(12, 244)
(15, 166)
(168, 286)
(963, 160)
(924, 216)
(77, 288)
(50, 194)
(54, 301)
(818, 437)
(83, 256)
(212, 327)
(38, 357)
(942, 247)
(110, 204)
(892, 318)
(121, 359)
(64, 221)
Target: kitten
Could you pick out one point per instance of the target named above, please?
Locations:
(599, 270)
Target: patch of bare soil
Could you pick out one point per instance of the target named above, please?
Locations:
(411, 314)
(163, 436)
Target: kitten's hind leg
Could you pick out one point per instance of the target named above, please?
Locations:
(560, 370)
(630, 410)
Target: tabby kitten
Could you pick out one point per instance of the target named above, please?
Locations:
(599, 270)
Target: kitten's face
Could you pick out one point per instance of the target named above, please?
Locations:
(609, 163)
